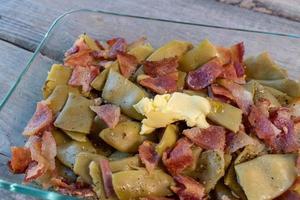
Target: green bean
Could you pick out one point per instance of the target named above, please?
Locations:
(76, 114)
(99, 82)
(220, 112)
(288, 86)
(81, 165)
(58, 75)
(282, 97)
(198, 56)
(118, 155)
(124, 137)
(98, 186)
(60, 137)
(181, 80)
(79, 137)
(267, 176)
(133, 184)
(66, 153)
(210, 168)
(198, 93)
(64, 171)
(122, 92)
(125, 164)
(57, 99)
(263, 67)
(171, 49)
(221, 192)
(168, 139)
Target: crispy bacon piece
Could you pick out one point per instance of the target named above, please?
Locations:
(230, 72)
(40, 121)
(205, 75)
(77, 46)
(43, 152)
(237, 52)
(236, 141)
(83, 76)
(48, 149)
(188, 189)
(180, 157)
(109, 113)
(117, 45)
(218, 90)
(148, 155)
(287, 140)
(242, 97)
(127, 64)
(73, 189)
(83, 58)
(156, 198)
(224, 54)
(161, 84)
(107, 178)
(263, 127)
(162, 67)
(212, 137)
(20, 159)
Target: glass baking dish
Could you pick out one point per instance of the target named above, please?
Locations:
(19, 104)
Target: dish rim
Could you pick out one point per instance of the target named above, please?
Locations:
(40, 193)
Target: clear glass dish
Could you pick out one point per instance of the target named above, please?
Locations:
(19, 104)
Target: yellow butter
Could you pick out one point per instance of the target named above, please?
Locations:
(168, 108)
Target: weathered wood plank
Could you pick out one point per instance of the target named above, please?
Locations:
(12, 61)
(25, 22)
(289, 9)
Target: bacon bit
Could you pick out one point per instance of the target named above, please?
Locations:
(83, 76)
(287, 141)
(34, 171)
(77, 46)
(230, 72)
(242, 97)
(83, 58)
(224, 54)
(148, 155)
(156, 198)
(72, 189)
(100, 55)
(162, 84)
(74, 49)
(40, 121)
(221, 91)
(188, 189)
(48, 149)
(180, 157)
(212, 137)
(236, 141)
(205, 75)
(162, 67)
(109, 113)
(20, 159)
(237, 52)
(263, 127)
(107, 178)
(117, 45)
(127, 64)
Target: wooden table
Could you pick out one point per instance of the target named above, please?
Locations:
(24, 23)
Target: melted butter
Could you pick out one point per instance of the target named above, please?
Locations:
(168, 108)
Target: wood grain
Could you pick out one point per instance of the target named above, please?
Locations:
(25, 22)
(12, 61)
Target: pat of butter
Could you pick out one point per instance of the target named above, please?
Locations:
(168, 108)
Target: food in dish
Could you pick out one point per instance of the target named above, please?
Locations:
(126, 121)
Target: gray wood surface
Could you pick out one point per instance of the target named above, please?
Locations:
(24, 22)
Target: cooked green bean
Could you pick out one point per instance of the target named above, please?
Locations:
(81, 165)
(122, 92)
(263, 67)
(124, 137)
(125, 164)
(76, 114)
(220, 112)
(58, 75)
(168, 139)
(198, 56)
(133, 184)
